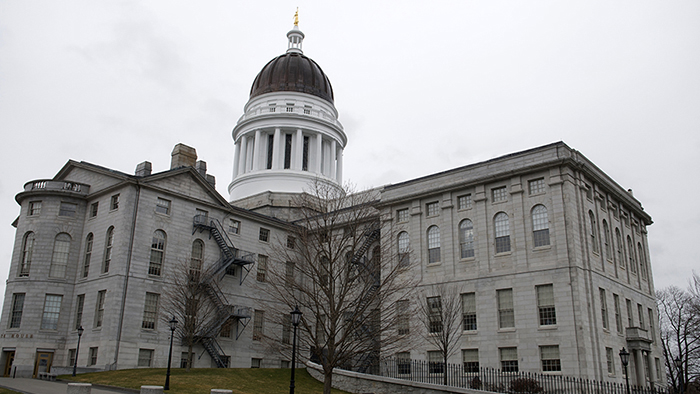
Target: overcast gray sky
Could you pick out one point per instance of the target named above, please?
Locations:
(420, 87)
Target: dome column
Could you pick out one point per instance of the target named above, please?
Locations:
(256, 150)
(332, 168)
(237, 155)
(276, 149)
(298, 150)
(339, 166)
(241, 157)
(319, 153)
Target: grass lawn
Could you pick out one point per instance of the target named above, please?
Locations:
(201, 380)
(7, 391)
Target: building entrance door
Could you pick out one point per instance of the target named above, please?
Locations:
(43, 363)
(9, 359)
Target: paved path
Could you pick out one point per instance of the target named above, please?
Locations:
(36, 386)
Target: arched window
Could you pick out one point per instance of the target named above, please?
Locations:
(403, 249)
(620, 257)
(433, 244)
(608, 249)
(196, 259)
(593, 231)
(109, 241)
(630, 251)
(27, 251)
(88, 256)
(59, 260)
(642, 261)
(155, 264)
(466, 238)
(502, 226)
(540, 226)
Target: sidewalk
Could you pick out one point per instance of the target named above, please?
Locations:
(36, 386)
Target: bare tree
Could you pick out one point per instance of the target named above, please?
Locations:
(679, 316)
(187, 298)
(333, 267)
(440, 310)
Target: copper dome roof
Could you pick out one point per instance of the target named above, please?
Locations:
(292, 72)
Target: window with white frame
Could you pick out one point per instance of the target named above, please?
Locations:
(79, 305)
(433, 244)
(502, 227)
(93, 208)
(549, 355)
(506, 313)
(403, 363)
(92, 356)
(100, 308)
(545, 305)
(262, 268)
(196, 259)
(470, 360)
(464, 202)
(226, 328)
(67, 209)
(652, 332)
(640, 314)
(436, 363)
(466, 238)
(433, 208)
(52, 310)
(258, 318)
(620, 248)
(114, 202)
(155, 264)
(264, 235)
(402, 215)
(34, 208)
(630, 254)
(289, 269)
(71, 356)
(88, 255)
(17, 309)
(145, 358)
(286, 328)
(642, 261)
(109, 242)
(59, 260)
(606, 235)
(434, 314)
(509, 359)
(540, 225)
(499, 194)
(150, 311)
(593, 231)
(234, 226)
(610, 360)
(257, 362)
(469, 311)
(27, 252)
(630, 317)
(402, 317)
(536, 186)
(618, 314)
(603, 308)
(163, 206)
(403, 249)
(291, 242)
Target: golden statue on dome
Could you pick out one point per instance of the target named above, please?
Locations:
(296, 17)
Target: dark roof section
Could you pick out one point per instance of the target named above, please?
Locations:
(292, 72)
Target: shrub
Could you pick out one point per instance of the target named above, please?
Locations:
(525, 385)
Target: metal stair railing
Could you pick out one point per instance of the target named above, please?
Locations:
(215, 351)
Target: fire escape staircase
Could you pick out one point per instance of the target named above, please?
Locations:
(229, 256)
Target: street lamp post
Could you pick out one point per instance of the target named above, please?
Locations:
(625, 358)
(296, 317)
(679, 365)
(77, 348)
(173, 326)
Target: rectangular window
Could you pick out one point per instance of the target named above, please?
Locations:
(71, 357)
(402, 317)
(67, 209)
(184, 357)
(403, 363)
(289, 273)
(432, 208)
(92, 356)
(255, 362)
(652, 332)
(464, 202)
(17, 308)
(150, 311)
(234, 226)
(79, 304)
(640, 314)
(657, 363)
(618, 314)
(225, 331)
(610, 359)
(163, 206)
(287, 149)
(536, 186)
(145, 357)
(506, 314)
(307, 110)
(434, 315)
(499, 194)
(291, 242)
(435, 362)
(264, 235)
(52, 309)
(305, 153)
(550, 358)
(262, 268)
(34, 208)
(402, 215)
(290, 108)
(545, 305)
(470, 359)
(509, 359)
(114, 203)
(286, 328)
(603, 308)
(93, 209)
(258, 318)
(100, 307)
(469, 311)
(270, 146)
(630, 318)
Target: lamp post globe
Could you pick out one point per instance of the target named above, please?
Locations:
(296, 318)
(173, 325)
(77, 349)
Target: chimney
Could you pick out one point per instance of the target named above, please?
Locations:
(211, 180)
(143, 169)
(201, 167)
(183, 156)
